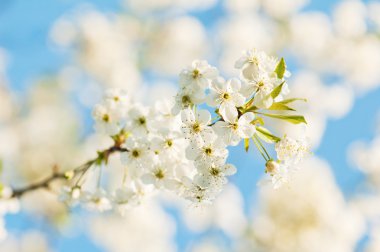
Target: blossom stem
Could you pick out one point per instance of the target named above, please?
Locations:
(262, 146)
(259, 148)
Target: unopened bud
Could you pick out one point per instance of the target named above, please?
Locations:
(271, 166)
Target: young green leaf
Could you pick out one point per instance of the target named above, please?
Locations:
(292, 100)
(258, 120)
(251, 109)
(277, 90)
(295, 119)
(266, 135)
(280, 68)
(246, 144)
(280, 106)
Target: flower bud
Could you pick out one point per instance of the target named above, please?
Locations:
(271, 166)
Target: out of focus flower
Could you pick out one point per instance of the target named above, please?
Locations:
(309, 216)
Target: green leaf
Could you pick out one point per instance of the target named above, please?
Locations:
(246, 144)
(280, 106)
(251, 109)
(258, 120)
(277, 90)
(280, 68)
(295, 119)
(292, 100)
(266, 135)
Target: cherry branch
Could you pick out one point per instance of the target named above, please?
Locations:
(102, 157)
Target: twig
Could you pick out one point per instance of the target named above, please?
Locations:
(102, 157)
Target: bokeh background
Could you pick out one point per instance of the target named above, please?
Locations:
(57, 57)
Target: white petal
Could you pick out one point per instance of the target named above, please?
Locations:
(148, 179)
(228, 112)
(204, 116)
(171, 184)
(263, 100)
(240, 62)
(229, 169)
(247, 89)
(238, 99)
(247, 118)
(192, 151)
(250, 71)
(235, 84)
(221, 128)
(212, 99)
(218, 84)
(203, 82)
(234, 139)
(246, 131)
(187, 115)
(211, 73)
(198, 96)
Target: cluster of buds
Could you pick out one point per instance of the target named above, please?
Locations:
(181, 145)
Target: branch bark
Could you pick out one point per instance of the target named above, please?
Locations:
(102, 157)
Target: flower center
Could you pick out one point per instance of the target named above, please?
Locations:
(253, 60)
(196, 74)
(196, 127)
(169, 143)
(142, 120)
(226, 96)
(159, 174)
(116, 98)
(234, 126)
(260, 84)
(135, 153)
(106, 118)
(214, 171)
(208, 151)
(186, 100)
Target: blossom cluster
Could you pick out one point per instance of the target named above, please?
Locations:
(180, 146)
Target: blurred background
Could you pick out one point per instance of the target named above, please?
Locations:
(57, 58)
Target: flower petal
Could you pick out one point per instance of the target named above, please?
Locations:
(228, 112)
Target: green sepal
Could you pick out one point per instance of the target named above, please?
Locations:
(258, 120)
(246, 144)
(266, 135)
(295, 119)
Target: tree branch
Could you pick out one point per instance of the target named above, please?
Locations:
(102, 157)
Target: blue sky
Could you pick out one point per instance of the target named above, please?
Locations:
(24, 28)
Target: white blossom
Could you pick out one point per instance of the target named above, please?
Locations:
(253, 63)
(97, 200)
(232, 130)
(138, 155)
(124, 198)
(205, 152)
(187, 98)
(106, 120)
(226, 95)
(198, 75)
(138, 120)
(160, 175)
(214, 174)
(291, 151)
(196, 124)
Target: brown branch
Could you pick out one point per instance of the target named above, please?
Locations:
(102, 157)
(43, 184)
